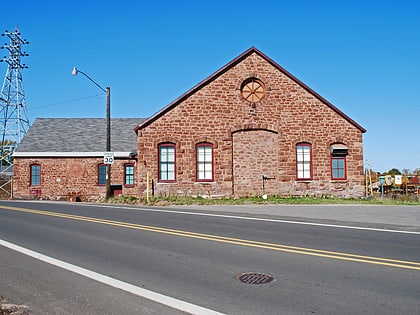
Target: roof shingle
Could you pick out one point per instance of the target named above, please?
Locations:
(79, 135)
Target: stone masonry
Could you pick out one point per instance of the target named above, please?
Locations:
(71, 179)
(252, 139)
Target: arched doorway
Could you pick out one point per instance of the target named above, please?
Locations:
(255, 153)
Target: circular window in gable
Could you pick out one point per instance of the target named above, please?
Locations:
(253, 90)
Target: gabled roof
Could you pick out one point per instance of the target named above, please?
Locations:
(77, 136)
(230, 65)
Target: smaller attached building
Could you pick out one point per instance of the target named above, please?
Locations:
(63, 159)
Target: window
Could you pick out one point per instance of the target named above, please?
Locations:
(129, 174)
(205, 162)
(35, 175)
(304, 161)
(338, 161)
(167, 162)
(338, 167)
(253, 90)
(101, 174)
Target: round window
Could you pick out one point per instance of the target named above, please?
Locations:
(253, 90)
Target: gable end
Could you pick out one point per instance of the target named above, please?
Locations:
(230, 65)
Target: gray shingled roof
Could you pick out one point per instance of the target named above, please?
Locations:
(79, 135)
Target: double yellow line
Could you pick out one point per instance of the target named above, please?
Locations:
(230, 240)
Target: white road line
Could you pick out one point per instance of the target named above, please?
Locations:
(254, 218)
(150, 295)
(268, 220)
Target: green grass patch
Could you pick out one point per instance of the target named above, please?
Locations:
(308, 200)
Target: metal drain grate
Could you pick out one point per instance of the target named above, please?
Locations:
(255, 278)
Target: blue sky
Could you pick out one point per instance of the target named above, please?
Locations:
(362, 56)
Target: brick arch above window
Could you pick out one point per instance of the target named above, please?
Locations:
(208, 140)
(253, 74)
(303, 143)
(303, 140)
(297, 141)
(164, 140)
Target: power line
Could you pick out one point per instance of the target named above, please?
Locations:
(68, 101)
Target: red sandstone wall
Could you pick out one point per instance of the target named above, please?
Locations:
(218, 114)
(67, 178)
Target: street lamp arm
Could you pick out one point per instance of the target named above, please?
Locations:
(77, 71)
(108, 128)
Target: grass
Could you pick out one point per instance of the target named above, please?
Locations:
(257, 200)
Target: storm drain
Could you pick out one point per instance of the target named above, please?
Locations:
(255, 278)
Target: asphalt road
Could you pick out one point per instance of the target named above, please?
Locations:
(197, 259)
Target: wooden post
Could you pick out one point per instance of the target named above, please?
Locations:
(147, 186)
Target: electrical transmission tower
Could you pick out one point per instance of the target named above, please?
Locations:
(14, 122)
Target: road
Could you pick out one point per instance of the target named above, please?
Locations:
(171, 262)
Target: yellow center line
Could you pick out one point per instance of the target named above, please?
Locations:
(230, 240)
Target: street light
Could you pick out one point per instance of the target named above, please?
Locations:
(107, 91)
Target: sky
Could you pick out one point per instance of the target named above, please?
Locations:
(362, 56)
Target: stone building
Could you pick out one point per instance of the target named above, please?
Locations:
(63, 159)
(251, 128)
(248, 129)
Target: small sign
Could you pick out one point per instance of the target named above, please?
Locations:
(382, 180)
(108, 157)
(398, 179)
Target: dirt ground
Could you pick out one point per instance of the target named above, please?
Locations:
(8, 308)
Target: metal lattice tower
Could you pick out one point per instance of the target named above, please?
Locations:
(14, 122)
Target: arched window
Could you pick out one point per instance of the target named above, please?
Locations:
(304, 161)
(167, 162)
(35, 175)
(204, 162)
